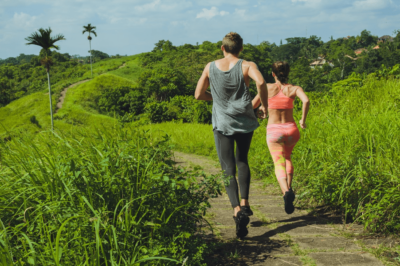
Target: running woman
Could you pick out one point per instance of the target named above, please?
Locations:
(282, 131)
(233, 119)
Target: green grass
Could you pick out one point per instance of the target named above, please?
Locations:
(15, 116)
(98, 197)
(190, 138)
(107, 65)
(131, 70)
(80, 103)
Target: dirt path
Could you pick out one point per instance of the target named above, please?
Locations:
(64, 91)
(278, 239)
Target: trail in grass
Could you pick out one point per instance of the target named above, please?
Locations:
(64, 91)
(276, 238)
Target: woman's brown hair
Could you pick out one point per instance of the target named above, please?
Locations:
(232, 43)
(281, 70)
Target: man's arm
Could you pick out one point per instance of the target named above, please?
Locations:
(201, 92)
(256, 75)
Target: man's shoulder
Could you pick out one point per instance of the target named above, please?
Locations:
(207, 67)
(248, 63)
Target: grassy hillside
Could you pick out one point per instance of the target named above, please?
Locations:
(79, 105)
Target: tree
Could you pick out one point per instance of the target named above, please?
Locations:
(90, 29)
(163, 45)
(310, 45)
(44, 39)
(367, 38)
(99, 54)
(339, 55)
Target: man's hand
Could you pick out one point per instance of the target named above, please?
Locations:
(262, 112)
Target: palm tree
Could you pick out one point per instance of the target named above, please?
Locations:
(44, 39)
(90, 29)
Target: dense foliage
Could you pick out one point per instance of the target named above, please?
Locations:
(17, 80)
(106, 197)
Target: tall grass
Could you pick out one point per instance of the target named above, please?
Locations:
(348, 157)
(105, 197)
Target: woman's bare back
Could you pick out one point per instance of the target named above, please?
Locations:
(279, 116)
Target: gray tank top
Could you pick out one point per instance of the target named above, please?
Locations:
(232, 111)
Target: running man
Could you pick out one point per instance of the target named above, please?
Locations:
(282, 131)
(233, 119)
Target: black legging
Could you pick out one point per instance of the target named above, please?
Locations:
(226, 153)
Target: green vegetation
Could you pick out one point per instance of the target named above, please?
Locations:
(98, 197)
(102, 190)
(78, 109)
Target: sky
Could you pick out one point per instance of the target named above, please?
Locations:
(134, 26)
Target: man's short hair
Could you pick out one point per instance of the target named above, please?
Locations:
(232, 43)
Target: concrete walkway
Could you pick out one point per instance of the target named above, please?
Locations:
(276, 238)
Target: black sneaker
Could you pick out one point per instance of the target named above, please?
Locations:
(241, 220)
(246, 210)
(291, 190)
(289, 198)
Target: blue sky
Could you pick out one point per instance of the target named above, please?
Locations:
(134, 26)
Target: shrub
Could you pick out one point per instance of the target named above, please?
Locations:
(34, 121)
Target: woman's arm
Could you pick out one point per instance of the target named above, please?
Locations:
(201, 92)
(306, 105)
(256, 101)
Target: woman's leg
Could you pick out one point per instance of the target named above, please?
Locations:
(275, 141)
(243, 142)
(225, 149)
(291, 140)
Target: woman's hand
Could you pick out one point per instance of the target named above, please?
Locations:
(302, 123)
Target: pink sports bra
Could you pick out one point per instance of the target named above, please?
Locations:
(280, 101)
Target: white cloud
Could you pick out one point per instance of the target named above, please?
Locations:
(371, 4)
(148, 7)
(22, 20)
(225, 2)
(210, 13)
(240, 12)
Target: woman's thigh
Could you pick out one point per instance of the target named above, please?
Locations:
(275, 142)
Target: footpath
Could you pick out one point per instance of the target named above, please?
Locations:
(64, 91)
(278, 239)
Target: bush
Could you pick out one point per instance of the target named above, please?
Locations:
(184, 108)
(34, 121)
